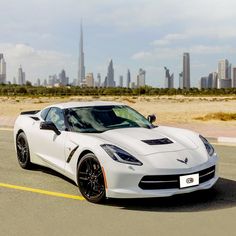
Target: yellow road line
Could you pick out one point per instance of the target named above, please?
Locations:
(40, 191)
(6, 129)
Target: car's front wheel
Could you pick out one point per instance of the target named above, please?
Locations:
(23, 153)
(90, 179)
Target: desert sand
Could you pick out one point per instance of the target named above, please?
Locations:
(176, 111)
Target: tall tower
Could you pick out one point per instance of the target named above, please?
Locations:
(186, 70)
(110, 75)
(2, 70)
(81, 70)
(128, 79)
(234, 78)
(21, 76)
(169, 79)
(141, 78)
(224, 74)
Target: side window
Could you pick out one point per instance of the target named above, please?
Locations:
(55, 115)
(44, 113)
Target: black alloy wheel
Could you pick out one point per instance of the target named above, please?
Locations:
(90, 179)
(23, 153)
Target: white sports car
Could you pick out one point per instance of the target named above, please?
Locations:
(110, 150)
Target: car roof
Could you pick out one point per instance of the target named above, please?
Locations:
(85, 104)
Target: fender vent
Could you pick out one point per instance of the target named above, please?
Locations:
(161, 141)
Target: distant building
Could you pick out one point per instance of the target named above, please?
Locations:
(186, 70)
(141, 78)
(204, 83)
(53, 80)
(81, 69)
(128, 79)
(3, 74)
(132, 85)
(224, 74)
(214, 79)
(21, 76)
(38, 82)
(181, 85)
(234, 78)
(121, 81)
(223, 69)
(105, 82)
(209, 82)
(169, 79)
(224, 83)
(63, 79)
(98, 80)
(110, 76)
(45, 83)
(89, 80)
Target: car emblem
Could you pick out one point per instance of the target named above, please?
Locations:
(185, 161)
(189, 180)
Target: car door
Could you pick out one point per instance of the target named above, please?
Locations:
(51, 147)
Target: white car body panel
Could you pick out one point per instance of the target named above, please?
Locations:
(51, 150)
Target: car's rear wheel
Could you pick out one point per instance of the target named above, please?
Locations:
(23, 153)
(90, 179)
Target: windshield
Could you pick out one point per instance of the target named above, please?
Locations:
(102, 118)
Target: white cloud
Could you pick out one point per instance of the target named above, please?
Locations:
(36, 63)
(141, 55)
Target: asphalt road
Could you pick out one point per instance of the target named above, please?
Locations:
(211, 212)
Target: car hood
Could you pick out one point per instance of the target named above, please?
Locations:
(137, 140)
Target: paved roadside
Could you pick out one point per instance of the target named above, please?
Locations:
(211, 212)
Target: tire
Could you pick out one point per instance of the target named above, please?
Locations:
(23, 152)
(90, 179)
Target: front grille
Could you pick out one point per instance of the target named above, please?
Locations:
(161, 141)
(172, 181)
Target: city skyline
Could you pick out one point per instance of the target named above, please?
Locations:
(117, 30)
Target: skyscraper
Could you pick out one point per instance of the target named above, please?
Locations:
(110, 76)
(99, 80)
(141, 78)
(63, 79)
(128, 79)
(224, 74)
(186, 70)
(121, 81)
(81, 70)
(204, 82)
(181, 80)
(2, 70)
(223, 69)
(89, 80)
(21, 76)
(169, 79)
(234, 78)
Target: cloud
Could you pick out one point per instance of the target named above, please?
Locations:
(36, 63)
(141, 55)
(168, 52)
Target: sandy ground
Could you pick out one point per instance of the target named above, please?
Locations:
(174, 111)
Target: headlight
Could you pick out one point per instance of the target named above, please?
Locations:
(208, 146)
(118, 154)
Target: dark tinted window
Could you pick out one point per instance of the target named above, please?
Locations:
(56, 116)
(44, 113)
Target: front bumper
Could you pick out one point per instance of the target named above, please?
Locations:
(124, 182)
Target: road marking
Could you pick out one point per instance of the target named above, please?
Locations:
(41, 191)
(6, 129)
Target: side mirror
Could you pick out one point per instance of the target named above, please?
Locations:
(151, 118)
(48, 125)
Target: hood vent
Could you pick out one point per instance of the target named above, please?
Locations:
(161, 141)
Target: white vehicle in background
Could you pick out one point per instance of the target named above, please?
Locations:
(110, 150)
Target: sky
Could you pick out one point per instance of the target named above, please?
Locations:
(43, 36)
